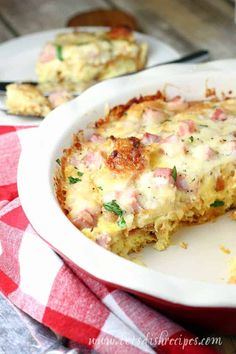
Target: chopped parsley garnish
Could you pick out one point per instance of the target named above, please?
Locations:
(78, 173)
(174, 173)
(99, 187)
(59, 52)
(115, 208)
(73, 180)
(217, 203)
(203, 125)
(191, 138)
(122, 223)
(58, 161)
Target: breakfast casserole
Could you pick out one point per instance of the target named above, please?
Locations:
(28, 100)
(147, 168)
(73, 62)
(82, 57)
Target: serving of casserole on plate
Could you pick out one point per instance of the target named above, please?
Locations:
(82, 56)
(155, 163)
(61, 76)
(74, 61)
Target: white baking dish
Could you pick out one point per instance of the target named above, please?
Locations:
(185, 286)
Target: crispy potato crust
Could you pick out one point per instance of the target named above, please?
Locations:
(117, 112)
(126, 156)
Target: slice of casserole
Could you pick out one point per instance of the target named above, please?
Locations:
(80, 57)
(149, 167)
(28, 100)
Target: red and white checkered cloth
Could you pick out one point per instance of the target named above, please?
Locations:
(36, 280)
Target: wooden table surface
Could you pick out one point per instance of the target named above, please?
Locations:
(184, 24)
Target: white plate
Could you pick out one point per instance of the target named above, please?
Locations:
(18, 57)
(189, 277)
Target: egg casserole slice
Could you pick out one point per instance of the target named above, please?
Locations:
(147, 168)
(86, 57)
(28, 100)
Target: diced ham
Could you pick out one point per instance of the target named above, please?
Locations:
(233, 147)
(93, 159)
(152, 116)
(149, 138)
(163, 172)
(187, 126)
(96, 138)
(163, 176)
(219, 115)
(85, 219)
(128, 200)
(170, 139)
(181, 183)
(104, 240)
(171, 145)
(220, 184)
(177, 104)
(204, 152)
(58, 97)
(210, 153)
(75, 161)
(134, 202)
(48, 53)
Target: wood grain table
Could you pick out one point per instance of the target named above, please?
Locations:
(185, 24)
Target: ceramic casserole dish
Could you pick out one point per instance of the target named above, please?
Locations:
(188, 285)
